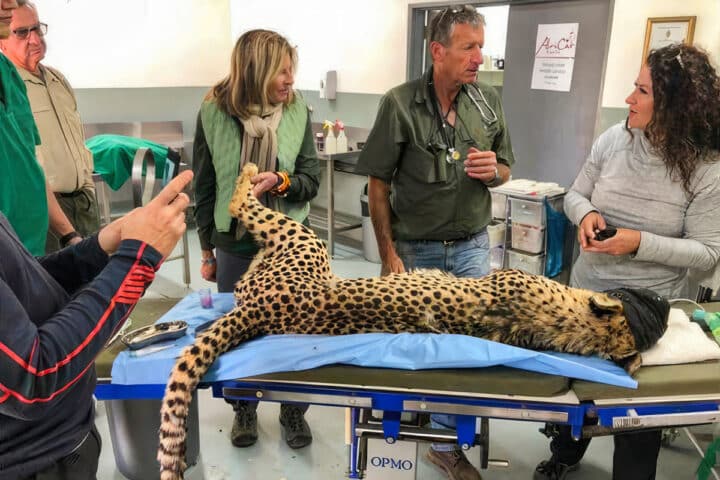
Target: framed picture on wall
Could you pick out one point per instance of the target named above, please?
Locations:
(662, 31)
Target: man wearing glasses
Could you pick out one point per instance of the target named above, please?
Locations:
(438, 144)
(26, 198)
(58, 312)
(67, 163)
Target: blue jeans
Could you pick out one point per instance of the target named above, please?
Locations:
(465, 258)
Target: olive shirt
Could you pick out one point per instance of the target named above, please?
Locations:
(23, 197)
(431, 198)
(67, 163)
(304, 185)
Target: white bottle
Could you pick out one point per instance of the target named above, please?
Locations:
(341, 141)
(330, 142)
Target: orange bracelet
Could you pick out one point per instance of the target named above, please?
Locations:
(282, 189)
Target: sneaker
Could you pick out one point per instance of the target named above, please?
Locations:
(244, 430)
(454, 463)
(553, 470)
(296, 430)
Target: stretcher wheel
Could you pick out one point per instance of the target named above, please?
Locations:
(483, 441)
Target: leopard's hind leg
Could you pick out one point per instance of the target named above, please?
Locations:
(268, 226)
(274, 231)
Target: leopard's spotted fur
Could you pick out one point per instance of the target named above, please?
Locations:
(289, 289)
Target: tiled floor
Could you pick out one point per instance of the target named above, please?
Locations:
(326, 458)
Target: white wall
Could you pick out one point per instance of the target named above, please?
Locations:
(172, 43)
(364, 41)
(496, 20)
(628, 36)
(137, 43)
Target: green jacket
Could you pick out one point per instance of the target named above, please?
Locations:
(216, 156)
(431, 198)
(23, 197)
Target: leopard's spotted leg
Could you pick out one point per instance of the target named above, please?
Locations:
(226, 333)
(274, 231)
(267, 226)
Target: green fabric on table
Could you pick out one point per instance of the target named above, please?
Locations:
(114, 154)
(684, 379)
(469, 381)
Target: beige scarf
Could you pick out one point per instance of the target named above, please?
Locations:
(260, 144)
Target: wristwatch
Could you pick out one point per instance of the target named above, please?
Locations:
(495, 181)
(65, 239)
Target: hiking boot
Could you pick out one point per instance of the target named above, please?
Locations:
(553, 470)
(244, 430)
(296, 430)
(454, 463)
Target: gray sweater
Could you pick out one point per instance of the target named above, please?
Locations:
(631, 188)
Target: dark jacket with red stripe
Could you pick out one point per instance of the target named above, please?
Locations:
(56, 314)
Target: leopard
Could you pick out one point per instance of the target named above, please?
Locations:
(290, 288)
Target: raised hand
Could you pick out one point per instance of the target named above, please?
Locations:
(160, 223)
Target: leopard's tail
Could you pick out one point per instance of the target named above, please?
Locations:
(192, 364)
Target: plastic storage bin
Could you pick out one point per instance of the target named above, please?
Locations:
(496, 234)
(497, 255)
(525, 262)
(527, 212)
(528, 238)
(498, 204)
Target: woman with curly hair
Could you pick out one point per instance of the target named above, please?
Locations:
(655, 182)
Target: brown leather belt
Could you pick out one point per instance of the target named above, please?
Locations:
(76, 193)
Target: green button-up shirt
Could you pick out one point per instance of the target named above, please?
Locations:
(22, 182)
(433, 198)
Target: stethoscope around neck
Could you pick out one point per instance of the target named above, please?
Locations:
(489, 118)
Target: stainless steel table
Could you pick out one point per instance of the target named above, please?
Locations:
(341, 162)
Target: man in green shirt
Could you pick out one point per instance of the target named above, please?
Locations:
(438, 144)
(66, 162)
(25, 197)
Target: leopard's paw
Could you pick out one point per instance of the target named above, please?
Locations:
(243, 188)
(249, 170)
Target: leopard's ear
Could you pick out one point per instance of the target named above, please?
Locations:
(601, 303)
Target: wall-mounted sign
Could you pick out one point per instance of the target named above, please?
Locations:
(554, 56)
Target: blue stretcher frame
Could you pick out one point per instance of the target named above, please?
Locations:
(614, 415)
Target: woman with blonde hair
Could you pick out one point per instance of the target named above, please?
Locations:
(253, 115)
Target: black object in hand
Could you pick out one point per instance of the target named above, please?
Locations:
(609, 232)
